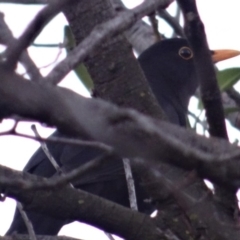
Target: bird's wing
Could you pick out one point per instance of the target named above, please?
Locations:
(70, 157)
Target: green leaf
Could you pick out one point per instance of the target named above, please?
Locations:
(83, 74)
(200, 104)
(231, 110)
(68, 39)
(81, 71)
(227, 78)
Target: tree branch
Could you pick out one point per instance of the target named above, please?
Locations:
(27, 222)
(6, 38)
(25, 1)
(39, 237)
(78, 205)
(172, 22)
(111, 28)
(120, 128)
(16, 48)
(211, 96)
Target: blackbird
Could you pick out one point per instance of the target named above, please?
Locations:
(169, 68)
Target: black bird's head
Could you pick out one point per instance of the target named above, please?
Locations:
(169, 68)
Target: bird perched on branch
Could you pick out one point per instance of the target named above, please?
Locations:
(169, 68)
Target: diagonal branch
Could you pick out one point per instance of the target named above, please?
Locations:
(16, 48)
(27, 222)
(78, 205)
(6, 38)
(172, 22)
(112, 27)
(120, 128)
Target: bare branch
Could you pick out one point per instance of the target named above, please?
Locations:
(211, 96)
(47, 152)
(16, 48)
(201, 210)
(109, 236)
(234, 95)
(78, 205)
(154, 23)
(6, 38)
(112, 27)
(39, 237)
(130, 184)
(57, 181)
(140, 35)
(210, 92)
(119, 128)
(172, 22)
(28, 223)
(63, 140)
(25, 1)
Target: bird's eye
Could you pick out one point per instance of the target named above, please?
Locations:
(185, 53)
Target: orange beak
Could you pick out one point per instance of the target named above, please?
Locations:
(220, 55)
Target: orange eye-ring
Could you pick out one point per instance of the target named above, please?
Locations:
(185, 53)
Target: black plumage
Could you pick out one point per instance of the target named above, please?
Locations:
(169, 68)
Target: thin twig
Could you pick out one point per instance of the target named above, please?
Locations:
(110, 236)
(197, 119)
(47, 152)
(6, 37)
(130, 184)
(154, 23)
(27, 222)
(54, 61)
(172, 22)
(63, 140)
(16, 48)
(49, 45)
(234, 95)
(57, 181)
